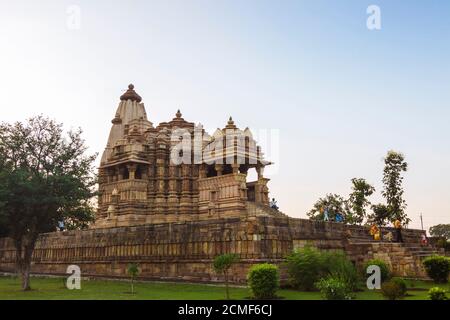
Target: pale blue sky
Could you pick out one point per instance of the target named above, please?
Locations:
(340, 95)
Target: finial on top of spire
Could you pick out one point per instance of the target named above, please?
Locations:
(130, 94)
(178, 114)
(230, 124)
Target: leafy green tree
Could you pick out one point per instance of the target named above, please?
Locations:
(441, 231)
(133, 272)
(394, 166)
(45, 177)
(358, 201)
(222, 265)
(335, 204)
(380, 215)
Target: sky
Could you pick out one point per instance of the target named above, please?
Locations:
(338, 94)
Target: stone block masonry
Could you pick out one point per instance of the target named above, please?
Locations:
(184, 251)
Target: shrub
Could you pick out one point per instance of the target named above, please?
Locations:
(401, 284)
(437, 268)
(264, 280)
(305, 267)
(384, 268)
(339, 266)
(393, 289)
(444, 244)
(333, 288)
(437, 293)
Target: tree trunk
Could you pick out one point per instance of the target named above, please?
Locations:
(24, 253)
(226, 286)
(132, 286)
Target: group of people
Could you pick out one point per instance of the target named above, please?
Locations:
(375, 232)
(338, 217)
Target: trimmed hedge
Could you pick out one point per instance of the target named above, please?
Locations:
(393, 289)
(264, 280)
(437, 268)
(437, 293)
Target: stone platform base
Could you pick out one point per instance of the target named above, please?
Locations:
(185, 251)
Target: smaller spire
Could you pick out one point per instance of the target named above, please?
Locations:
(130, 94)
(178, 114)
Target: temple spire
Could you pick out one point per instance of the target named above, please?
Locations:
(130, 94)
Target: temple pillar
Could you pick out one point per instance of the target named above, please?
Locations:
(219, 169)
(131, 171)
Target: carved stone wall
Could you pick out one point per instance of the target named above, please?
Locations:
(184, 251)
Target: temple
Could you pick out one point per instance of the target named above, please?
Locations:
(173, 197)
(176, 171)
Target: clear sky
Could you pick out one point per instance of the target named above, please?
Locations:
(340, 94)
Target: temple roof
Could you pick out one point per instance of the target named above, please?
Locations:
(130, 94)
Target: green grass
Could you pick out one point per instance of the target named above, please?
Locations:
(54, 289)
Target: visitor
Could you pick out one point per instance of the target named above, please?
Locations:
(339, 217)
(424, 240)
(61, 225)
(326, 215)
(398, 230)
(375, 232)
(388, 237)
(273, 204)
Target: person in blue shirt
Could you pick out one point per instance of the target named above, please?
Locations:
(61, 225)
(339, 217)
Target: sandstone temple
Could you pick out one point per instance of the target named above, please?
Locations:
(175, 171)
(172, 197)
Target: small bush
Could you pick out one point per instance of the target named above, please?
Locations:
(333, 288)
(444, 244)
(308, 265)
(339, 266)
(437, 268)
(384, 269)
(401, 284)
(437, 293)
(393, 289)
(264, 280)
(305, 267)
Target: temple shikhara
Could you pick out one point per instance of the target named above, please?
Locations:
(172, 197)
(176, 171)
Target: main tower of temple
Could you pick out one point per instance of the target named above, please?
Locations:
(176, 171)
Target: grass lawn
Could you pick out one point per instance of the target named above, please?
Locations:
(54, 288)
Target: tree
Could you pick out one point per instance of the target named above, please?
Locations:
(45, 177)
(358, 201)
(441, 231)
(394, 165)
(335, 204)
(380, 214)
(133, 272)
(222, 265)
